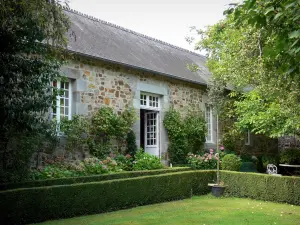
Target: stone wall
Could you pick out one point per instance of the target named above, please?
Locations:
(96, 83)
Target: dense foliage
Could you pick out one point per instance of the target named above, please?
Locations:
(97, 133)
(145, 161)
(60, 168)
(231, 162)
(255, 52)
(257, 186)
(32, 36)
(185, 134)
(290, 156)
(64, 201)
(91, 178)
(131, 148)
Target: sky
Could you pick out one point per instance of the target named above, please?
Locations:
(166, 20)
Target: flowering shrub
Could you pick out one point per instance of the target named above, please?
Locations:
(145, 161)
(89, 166)
(125, 162)
(95, 166)
(205, 162)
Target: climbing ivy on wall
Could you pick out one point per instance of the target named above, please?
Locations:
(186, 134)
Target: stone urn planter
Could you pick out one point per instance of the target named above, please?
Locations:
(217, 190)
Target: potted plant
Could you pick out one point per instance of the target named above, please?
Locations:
(217, 189)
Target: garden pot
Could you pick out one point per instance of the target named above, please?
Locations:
(217, 190)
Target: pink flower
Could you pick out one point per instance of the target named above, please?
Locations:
(211, 151)
(222, 148)
(128, 156)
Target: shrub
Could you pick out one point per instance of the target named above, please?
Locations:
(178, 146)
(145, 161)
(185, 134)
(131, 147)
(95, 166)
(248, 167)
(262, 187)
(290, 156)
(89, 166)
(207, 161)
(86, 179)
(44, 203)
(231, 162)
(125, 162)
(195, 129)
(106, 125)
(77, 132)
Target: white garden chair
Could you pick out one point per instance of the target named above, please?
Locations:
(272, 170)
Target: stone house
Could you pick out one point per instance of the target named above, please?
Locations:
(115, 66)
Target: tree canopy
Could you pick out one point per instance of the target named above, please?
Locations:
(255, 53)
(32, 36)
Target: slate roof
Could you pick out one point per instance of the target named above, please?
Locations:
(102, 40)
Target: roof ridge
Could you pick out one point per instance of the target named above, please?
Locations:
(130, 31)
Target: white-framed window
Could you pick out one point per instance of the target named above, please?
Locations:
(247, 137)
(62, 105)
(209, 124)
(149, 101)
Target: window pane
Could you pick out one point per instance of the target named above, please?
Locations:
(66, 111)
(66, 94)
(67, 85)
(62, 101)
(61, 110)
(62, 85)
(66, 102)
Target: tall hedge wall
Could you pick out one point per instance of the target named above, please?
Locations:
(28, 205)
(262, 187)
(86, 179)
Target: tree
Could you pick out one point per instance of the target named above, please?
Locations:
(32, 36)
(255, 52)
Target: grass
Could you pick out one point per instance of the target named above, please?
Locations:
(202, 210)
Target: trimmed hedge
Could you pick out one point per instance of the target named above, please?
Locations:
(86, 179)
(30, 205)
(262, 187)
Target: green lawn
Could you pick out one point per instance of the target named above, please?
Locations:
(197, 210)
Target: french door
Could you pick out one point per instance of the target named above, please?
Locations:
(151, 133)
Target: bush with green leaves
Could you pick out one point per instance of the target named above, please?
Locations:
(58, 168)
(89, 178)
(231, 162)
(33, 205)
(108, 125)
(96, 133)
(77, 131)
(290, 156)
(131, 148)
(125, 162)
(27, 69)
(145, 161)
(185, 134)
